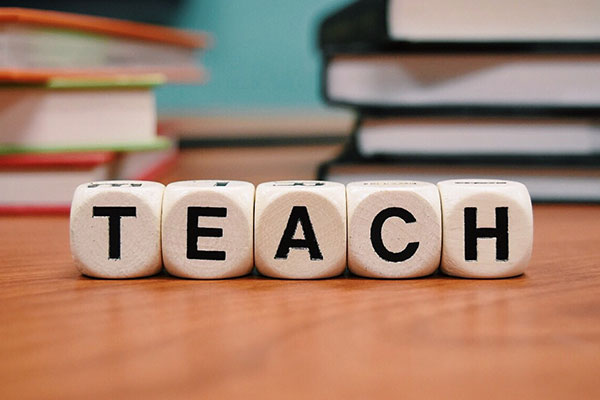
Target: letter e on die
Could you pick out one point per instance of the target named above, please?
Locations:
(207, 229)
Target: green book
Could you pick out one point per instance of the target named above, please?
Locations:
(157, 144)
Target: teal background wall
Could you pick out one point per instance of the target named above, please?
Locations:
(265, 54)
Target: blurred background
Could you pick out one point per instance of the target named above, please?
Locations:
(316, 89)
(264, 54)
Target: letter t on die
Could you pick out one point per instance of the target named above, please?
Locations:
(115, 228)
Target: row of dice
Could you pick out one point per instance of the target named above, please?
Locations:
(302, 229)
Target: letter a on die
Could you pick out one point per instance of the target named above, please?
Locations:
(208, 228)
(115, 228)
(487, 228)
(300, 229)
(394, 229)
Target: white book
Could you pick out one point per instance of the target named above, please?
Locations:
(38, 44)
(545, 183)
(484, 20)
(43, 118)
(368, 25)
(541, 188)
(399, 80)
(31, 48)
(477, 136)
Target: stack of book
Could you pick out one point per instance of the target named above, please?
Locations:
(469, 88)
(77, 103)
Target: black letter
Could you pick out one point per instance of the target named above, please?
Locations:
(194, 232)
(299, 214)
(472, 233)
(95, 185)
(114, 215)
(377, 240)
(299, 184)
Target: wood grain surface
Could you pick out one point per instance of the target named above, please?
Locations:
(65, 336)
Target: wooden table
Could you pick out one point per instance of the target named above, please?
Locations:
(65, 336)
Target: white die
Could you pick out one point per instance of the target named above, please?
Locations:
(394, 229)
(115, 228)
(300, 229)
(487, 228)
(207, 229)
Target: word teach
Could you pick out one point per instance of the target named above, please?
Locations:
(302, 229)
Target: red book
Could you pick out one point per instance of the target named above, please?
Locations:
(44, 183)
